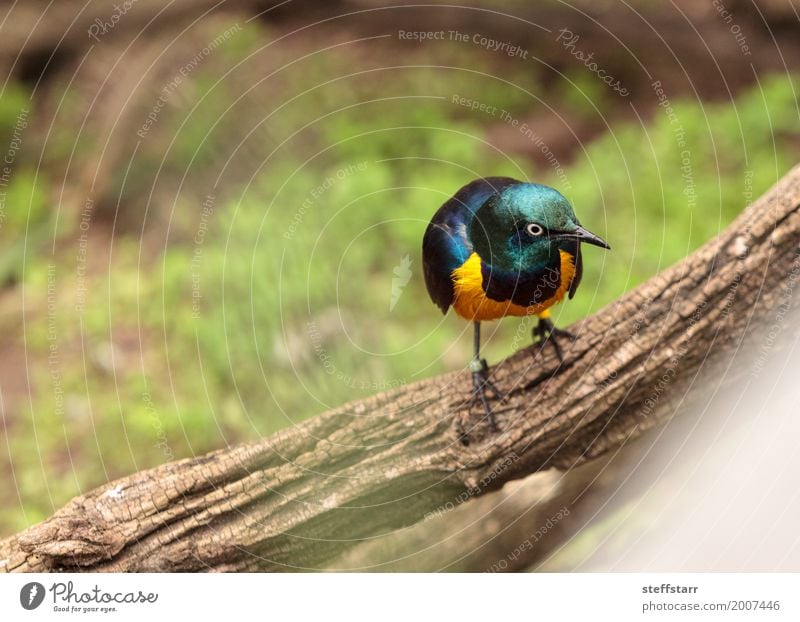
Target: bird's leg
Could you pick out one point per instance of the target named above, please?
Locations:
(480, 379)
(546, 332)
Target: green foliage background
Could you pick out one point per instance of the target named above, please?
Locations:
(294, 310)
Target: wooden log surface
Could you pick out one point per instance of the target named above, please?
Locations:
(304, 497)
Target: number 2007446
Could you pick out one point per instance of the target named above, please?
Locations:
(754, 605)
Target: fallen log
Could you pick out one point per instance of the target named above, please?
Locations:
(305, 496)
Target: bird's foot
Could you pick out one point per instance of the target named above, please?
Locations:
(480, 385)
(546, 332)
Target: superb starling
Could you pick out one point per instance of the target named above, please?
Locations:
(503, 247)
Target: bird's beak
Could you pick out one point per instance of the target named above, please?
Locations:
(590, 238)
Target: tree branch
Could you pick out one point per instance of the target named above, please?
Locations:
(305, 496)
(506, 530)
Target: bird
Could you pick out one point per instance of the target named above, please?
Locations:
(502, 247)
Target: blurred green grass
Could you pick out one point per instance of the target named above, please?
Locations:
(276, 304)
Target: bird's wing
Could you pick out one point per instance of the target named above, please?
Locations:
(439, 259)
(446, 243)
(576, 279)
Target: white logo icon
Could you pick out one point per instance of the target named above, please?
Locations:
(31, 595)
(402, 275)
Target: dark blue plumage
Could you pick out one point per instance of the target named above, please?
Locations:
(446, 245)
(503, 247)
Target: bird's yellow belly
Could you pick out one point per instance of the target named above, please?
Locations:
(472, 303)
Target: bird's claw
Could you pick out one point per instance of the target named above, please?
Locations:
(480, 385)
(546, 332)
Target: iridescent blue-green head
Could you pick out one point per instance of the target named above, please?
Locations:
(524, 227)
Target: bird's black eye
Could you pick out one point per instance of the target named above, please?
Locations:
(534, 229)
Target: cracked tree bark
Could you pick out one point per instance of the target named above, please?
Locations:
(304, 497)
